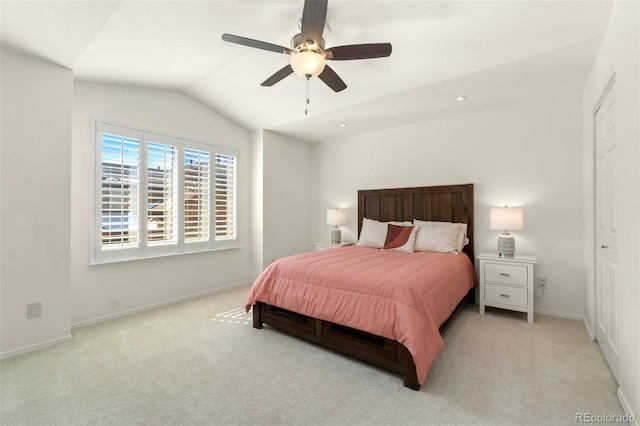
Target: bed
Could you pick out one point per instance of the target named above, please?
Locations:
(335, 298)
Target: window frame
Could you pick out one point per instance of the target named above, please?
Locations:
(143, 249)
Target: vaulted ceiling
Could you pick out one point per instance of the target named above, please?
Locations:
(492, 52)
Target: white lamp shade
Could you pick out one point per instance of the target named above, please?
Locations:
(307, 63)
(507, 219)
(336, 217)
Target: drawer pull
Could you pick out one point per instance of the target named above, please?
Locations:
(504, 274)
(504, 295)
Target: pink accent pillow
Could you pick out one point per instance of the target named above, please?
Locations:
(400, 238)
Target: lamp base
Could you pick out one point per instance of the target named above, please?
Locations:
(506, 246)
(336, 235)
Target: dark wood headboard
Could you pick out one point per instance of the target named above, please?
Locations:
(450, 203)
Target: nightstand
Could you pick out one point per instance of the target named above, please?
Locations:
(507, 282)
(327, 246)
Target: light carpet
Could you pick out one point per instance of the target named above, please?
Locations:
(200, 362)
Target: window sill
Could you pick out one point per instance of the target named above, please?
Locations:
(155, 256)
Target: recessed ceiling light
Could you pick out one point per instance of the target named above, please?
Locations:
(343, 124)
(461, 98)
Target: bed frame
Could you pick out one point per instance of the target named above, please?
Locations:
(451, 203)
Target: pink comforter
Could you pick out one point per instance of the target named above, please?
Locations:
(400, 296)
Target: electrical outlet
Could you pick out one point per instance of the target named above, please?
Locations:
(34, 310)
(542, 283)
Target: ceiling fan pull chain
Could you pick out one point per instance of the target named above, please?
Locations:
(306, 103)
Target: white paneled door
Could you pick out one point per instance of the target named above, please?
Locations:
(606, 231)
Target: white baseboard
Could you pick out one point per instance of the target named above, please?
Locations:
(25, 349)
(626, 408)
(559, 314)
(156, 305)
(590, 333)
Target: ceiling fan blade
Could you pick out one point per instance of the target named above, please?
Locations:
(279, 75)
(314, 15)
(332, 79)
(358, 51)
(255, 43)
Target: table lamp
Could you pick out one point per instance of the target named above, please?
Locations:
(336, 217)
(506, 219)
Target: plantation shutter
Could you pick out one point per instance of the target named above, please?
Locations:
(119, 182)
(162, 194)
(196, 195)
(226, 171)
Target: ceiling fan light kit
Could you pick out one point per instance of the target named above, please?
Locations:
(308, 55)
(307, 63)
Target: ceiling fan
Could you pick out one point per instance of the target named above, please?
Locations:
(308, 53)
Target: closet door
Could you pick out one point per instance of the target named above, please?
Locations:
(606, 231)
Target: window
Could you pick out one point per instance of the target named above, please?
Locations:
(157, 195)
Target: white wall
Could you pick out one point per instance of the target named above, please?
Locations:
(286, 196)
(99, 291)
(257, 202)
(36, 174)
(522, 155)
(619, 53)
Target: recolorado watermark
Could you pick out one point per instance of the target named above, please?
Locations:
(604, 418)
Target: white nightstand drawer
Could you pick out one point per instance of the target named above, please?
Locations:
(507, 274)
(505, 295)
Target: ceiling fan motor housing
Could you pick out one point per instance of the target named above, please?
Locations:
(298, 44)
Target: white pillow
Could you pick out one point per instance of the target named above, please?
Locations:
(462, 239)
(374, 233)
